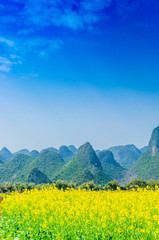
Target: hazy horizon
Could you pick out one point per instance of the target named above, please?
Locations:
(78, 71)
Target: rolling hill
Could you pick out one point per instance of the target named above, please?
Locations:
(22, 151)
(110, 167)
(65, 153)
(85, 166)
(37, 177)
(5, 154)
(143, 149)
(49, 162)
(126, 155)
(73, 149)
(16, 169)
(33, 153)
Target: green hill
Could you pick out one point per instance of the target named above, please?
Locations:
(110, 166)
(16, 169)
(37, 177)
(85, 166)
(73, 149)
(144, 149)
(5, 154)
(1, 160)
(49, 162)
(33, 153)
(147, 167)
(51, 149)
(65, 153)
(126, 155)
(22, 151)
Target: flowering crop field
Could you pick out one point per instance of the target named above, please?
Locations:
(77, 214)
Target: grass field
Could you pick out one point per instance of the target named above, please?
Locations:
(78, 214)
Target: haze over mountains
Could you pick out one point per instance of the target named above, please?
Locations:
(122, 163)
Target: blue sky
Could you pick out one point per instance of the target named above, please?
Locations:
(78, 70)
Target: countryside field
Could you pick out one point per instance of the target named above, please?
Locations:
(78, 214)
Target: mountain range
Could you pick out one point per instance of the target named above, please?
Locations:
(121, 163)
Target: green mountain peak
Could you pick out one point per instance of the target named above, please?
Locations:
(85, 166)
(66, 153)
(49, 162)
(110, 166)
(126, 155)
(73, 149)
(37, 177)
(5, 154)
(153, 147)
(147, 167)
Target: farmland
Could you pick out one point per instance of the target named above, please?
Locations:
(79, 214)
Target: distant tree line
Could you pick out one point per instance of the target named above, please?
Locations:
(60, 184)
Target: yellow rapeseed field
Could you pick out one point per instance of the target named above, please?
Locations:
(78, 214)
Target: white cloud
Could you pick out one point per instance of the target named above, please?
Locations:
(20, 49)
(40, 45)
(7, 41)
(68, 13)
(5, 64)
(72, 14)
(14, 56)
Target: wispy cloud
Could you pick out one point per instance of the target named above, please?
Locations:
(7, 41)
(5, 64)
(8, 56)
(40, 46)
(33, 16)
(74, 14)
(18, 50)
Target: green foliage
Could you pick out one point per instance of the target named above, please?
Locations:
(37, 177)
(140, 183)
(16, 169)
(110, 167)
(83, 177)
(152, 184)
(65, 153)
(1, 160)
(51, 149)
(48, 162)
(111, 185)
(88, 186)
(127, 155)
(5, 154)
(9, 187)
(22, 151)
(34, 154)
(73, 149)
(153, 147)
(144, 149)
(84, 167)
(147, 167)
(60, 184)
